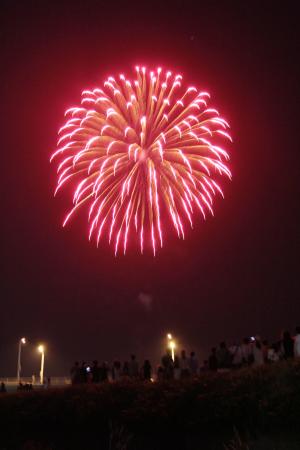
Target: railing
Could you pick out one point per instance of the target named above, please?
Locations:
(54, 381)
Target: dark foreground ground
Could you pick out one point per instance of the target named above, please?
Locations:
(257, 409)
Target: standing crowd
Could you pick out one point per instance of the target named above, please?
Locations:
(251, 351)
(83, 373)
(254, 351)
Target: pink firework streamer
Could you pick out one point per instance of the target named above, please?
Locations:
(137, 147)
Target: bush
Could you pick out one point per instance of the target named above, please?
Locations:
(155, 415)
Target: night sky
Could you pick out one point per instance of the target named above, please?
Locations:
(236, 274)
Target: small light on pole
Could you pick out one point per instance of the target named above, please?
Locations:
(21, 342)
(41, 349)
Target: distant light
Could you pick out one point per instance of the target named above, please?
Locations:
(169, 336)
(41, 348)
(172, 345)
(23, 340)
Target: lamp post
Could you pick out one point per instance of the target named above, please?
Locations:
(171, 345)
(21, 342)
(41, 349)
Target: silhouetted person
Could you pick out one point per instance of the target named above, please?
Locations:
(205, 367)
(297, 343)
(2, 388)
(160, 373)
(273, 355)
(116, 371)
(223, 356)
(133, 367)
(212, 360)
(95, 371)
(265, 349)
(167, 364)
(258, 355)
(247, 354)
(177, 370)
(287, 345)
(75, 373)
(126, 369)
(104, 371)
(83, 373)
(193, 364)
(147, 370)
(236, 355)
(184, 365)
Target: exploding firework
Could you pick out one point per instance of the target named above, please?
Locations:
(138, 151)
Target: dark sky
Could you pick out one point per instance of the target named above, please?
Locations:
(236, 274)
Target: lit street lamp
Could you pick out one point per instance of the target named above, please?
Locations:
(171, 345)
(41, 349)
(21, 342)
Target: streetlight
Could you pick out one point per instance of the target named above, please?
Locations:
(21, 342)
(171, 345)
(41, 349)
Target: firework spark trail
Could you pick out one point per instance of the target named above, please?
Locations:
(138, 147)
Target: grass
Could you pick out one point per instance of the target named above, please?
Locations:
(177, 415)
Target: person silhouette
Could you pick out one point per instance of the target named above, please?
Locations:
(147, 370)
(95, 372)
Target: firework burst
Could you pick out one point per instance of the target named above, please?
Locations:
(137, 150)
